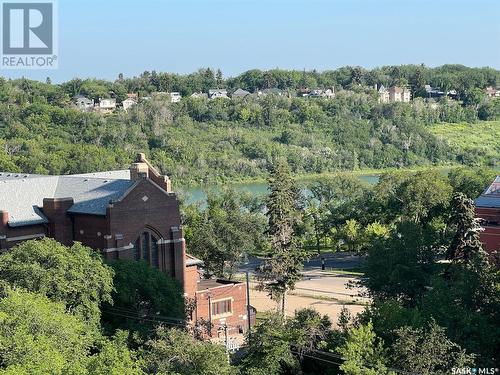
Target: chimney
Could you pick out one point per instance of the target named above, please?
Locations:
(140, 168)
(4, 218)
(60, 223)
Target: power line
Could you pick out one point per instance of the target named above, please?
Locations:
(313, 357)
(135, 312)
(143, 318)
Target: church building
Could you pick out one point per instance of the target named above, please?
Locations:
(129, 214)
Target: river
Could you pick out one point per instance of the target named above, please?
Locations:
(258, 189)
(198, 194)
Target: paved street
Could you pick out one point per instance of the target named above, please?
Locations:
(332, 260)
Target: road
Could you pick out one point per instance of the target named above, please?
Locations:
(332, 260)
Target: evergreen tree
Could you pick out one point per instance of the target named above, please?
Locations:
(466, 242)
(282, 270)
(219, 79)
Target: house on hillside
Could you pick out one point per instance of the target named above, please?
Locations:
(488, 210)
(175, 97)
(271, 91)
(217, 93)
(383, 94)
(199, 95)
(322, 93)
(130, 214)
(399, 94)
(433, 92)
(492, 92)
(128, 103)
(83, 103)
(240, 93)
(106, 105)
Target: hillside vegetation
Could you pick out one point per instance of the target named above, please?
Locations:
(199, 140)
(473, 143)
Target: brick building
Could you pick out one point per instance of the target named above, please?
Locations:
(488, 210)
(131, 214)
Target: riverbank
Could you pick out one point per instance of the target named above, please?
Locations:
(317, 176)
(258, 187)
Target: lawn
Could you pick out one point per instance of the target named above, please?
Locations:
(476, 142)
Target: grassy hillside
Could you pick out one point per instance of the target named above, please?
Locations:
(475, 143)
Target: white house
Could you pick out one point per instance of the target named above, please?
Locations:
(175, 97)
(107, 105)
(129, 102)
(199, 95)
(383, 94)
(83, 103)
(217, 93)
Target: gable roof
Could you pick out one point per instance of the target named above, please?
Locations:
(22, 196)
(491, 196)
(241, 92)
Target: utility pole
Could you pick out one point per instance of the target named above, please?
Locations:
(248, 306)
(210, 315)
(225, 336)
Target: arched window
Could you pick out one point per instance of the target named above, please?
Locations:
(154, 252)
(137, 250)
(145, 246)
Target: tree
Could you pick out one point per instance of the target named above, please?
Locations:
(75, 276)
(417, 83)
(352, 235)
(401, 265)
(313, 222)
(144, 296)
(466, 242)
(173, 351)
(114, 357)
(363, 353)
(423, 195)
(280, 273)
(470, 181)
(285, 344)
(39, 336)
(224, 232)
(427, 351)
(219, 79)
(270, 343)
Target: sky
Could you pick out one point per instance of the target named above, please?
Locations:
(101, 39)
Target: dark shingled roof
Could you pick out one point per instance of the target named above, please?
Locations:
(491, 196)
(22, 195)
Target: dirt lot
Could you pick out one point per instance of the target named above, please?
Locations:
(327, 293)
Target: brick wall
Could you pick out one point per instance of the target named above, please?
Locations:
(490, 236)
(237, 320)
(191, 278)
(11, 236)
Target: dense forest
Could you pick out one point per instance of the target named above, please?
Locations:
(199, 140)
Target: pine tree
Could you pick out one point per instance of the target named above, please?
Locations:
(466, 243)
(282, 270)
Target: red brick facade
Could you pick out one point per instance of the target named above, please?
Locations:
(488, 210)
(233, 295)
(143, 223)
